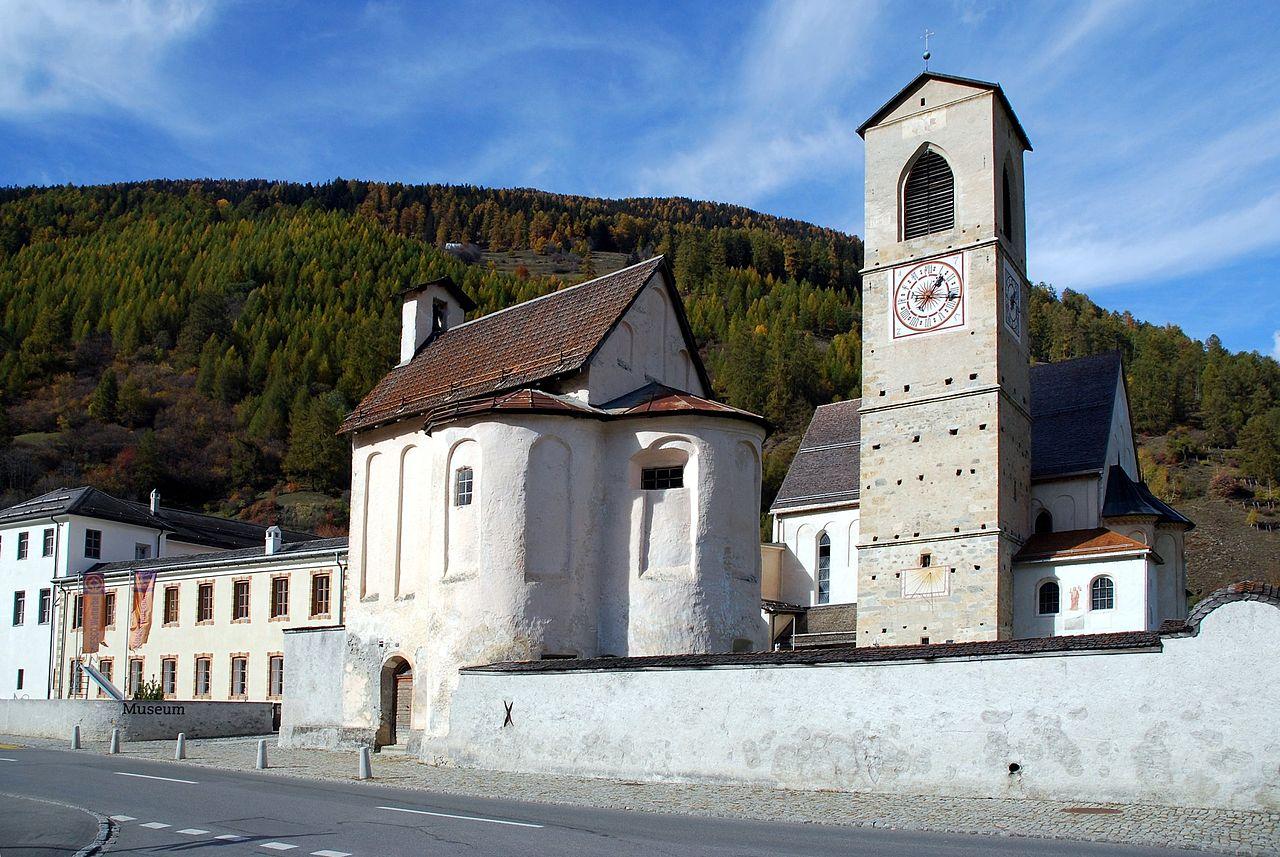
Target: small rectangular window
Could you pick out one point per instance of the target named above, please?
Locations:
(171, 605)
(275, 677)
(46, 606)
(135, 675)
(47, 549)
(19, 607)
(77, 615)
(93, 544)
(279, 597)
(463, 486)
(19, 680)
(77, 678)
(24, 545)
(239, 676)
(104, 667)
(141, 550)
(204, 675)
(204, 603)
(320, 595)
(110, 609)
(662, 478)
(169, 676)
(240, 600)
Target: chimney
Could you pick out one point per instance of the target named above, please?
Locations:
(155, 501)
(429, 310)
(273, 540)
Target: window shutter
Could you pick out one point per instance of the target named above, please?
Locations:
(929, 197)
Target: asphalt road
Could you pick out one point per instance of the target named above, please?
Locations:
(170, 807)
(37, 828)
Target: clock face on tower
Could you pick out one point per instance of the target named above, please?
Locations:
(928, 296)
(1014, 303)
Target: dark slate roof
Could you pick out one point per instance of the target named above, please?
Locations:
(1125, 498)
(1071, 406)
(1119, 641)
(192, 527)
(455, 291)
(825, 467)
(892, 103)
(288, 552)
(529, 344)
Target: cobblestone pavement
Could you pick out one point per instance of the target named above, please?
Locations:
(1224, 831)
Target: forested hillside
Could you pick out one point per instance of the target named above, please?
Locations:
(206, 337)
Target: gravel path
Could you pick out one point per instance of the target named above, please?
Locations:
(1224, 831)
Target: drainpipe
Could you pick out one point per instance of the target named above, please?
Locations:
(53, 604)
(342, 585)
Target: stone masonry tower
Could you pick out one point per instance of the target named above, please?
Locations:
(946, 428)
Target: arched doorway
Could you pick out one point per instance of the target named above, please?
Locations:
(397, 702)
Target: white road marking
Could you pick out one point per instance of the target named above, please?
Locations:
(123, 818)
(277, 846)
(461, 817)
(8, 760)
(149, 777)
(330, 854)
(154, 825)
(231, 837)
(193, 831)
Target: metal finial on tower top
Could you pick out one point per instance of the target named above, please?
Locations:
(927, 55)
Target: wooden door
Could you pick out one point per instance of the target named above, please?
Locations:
(403, 704)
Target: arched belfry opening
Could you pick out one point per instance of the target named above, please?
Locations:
(928, 196)
(396, 708)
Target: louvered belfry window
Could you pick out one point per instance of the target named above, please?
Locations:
(929, 198)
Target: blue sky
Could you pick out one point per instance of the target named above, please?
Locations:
(1154, 185)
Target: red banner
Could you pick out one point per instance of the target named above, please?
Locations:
(93, 612)
(144, 585)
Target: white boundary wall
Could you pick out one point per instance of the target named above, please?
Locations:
(137, 720)
(1192, 724)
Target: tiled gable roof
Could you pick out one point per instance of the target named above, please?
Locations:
(825, 467)
(523, 345)
(1077, 543)
(1071, 406)
(193, 527)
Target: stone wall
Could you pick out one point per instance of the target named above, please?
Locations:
(137, 720)
(1183, 718)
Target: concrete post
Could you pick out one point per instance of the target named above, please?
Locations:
(262, 754)
(180, 752)
(115, 742)
(75, 737)
(366, 769)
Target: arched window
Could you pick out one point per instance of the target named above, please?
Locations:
(824, 569)
(1102, 594)
(463, 486)
(1044, 522)
(1006, 218)
(928, 199)
(1049, 598)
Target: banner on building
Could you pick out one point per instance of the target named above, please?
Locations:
(93, 612)
(144, 585)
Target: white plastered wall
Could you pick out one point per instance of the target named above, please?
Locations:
(1133, 577)
(800, 531)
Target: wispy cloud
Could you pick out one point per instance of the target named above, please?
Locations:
(67, 56)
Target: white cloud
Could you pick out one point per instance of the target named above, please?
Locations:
(780, 123)
(63, 55)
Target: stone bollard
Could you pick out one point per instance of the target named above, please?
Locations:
(180, 752)
(366, 769)
(75, 737)
(115, 742)
(262, 754)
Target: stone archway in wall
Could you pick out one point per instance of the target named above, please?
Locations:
(396, 702)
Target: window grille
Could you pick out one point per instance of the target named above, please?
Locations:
(463, 486)
(662, 478)
(47, 548)
(928, 200)
(824, 569)
(1102, 594)
(1049, 600)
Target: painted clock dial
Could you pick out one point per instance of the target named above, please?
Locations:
(1014, 302)
(928, 296)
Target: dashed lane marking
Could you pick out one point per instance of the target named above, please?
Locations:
(123, 818)
(277, 846)
(8, 760)
(155, 825)
(194, 831)
(231, 837)
(149, 777)
(461, 817)
(330, 854)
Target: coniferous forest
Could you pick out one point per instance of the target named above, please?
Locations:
(206, 337)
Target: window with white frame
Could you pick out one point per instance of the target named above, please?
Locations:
(463, 486)
(77, 614)
(1049, 598)
(279, 598)
(275, 676)
(47, 548)
(240, 600)
(204, 675)
(1102, 593)
(135, 675)
(24, 545)
(169, 676)
(46, 606)
(19, 607)
(239, 675)
(824, 569)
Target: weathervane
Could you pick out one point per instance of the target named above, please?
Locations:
(927, 55)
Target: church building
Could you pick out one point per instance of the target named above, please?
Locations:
(968, 495)
(551, 480)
